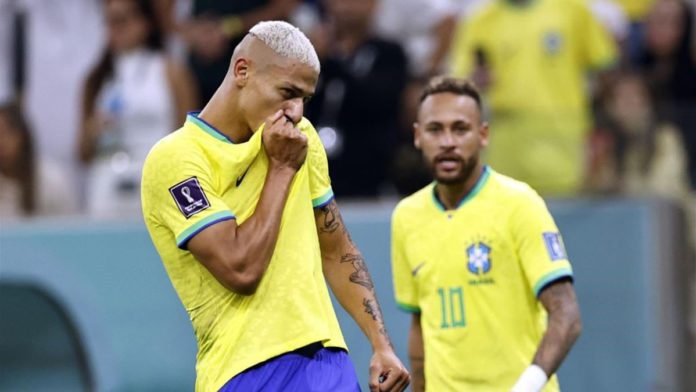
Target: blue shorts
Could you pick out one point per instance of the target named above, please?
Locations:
(312, 368)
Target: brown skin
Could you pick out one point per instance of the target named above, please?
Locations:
(451, 134)
(346, 272)
(262, 85)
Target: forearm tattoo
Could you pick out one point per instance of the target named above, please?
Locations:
(360, 276)
(372, 308)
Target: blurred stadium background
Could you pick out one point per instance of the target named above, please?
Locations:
(86, 87)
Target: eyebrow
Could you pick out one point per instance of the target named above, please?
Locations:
(298, 90)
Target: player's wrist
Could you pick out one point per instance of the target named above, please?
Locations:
(532, 379)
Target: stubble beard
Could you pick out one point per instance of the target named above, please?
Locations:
(468, 166)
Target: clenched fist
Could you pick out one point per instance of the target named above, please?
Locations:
(285, 145)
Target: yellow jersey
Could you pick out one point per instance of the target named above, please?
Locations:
(196, 177)
(538, 55)
(474, 274)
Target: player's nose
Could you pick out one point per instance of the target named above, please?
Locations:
(294, 109)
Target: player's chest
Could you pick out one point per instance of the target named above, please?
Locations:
(242, 185)
(471, 250)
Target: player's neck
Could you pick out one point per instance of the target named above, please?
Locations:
(219, 114)
(451, 194)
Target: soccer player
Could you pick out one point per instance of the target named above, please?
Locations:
(479, 261)
(533, 57)
(239, 205)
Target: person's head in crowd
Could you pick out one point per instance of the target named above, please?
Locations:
(668, 29)
(131, 25)
(17, 154)
(450, 131)
(350, 16)
(629, 104)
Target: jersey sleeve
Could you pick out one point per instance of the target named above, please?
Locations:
(179, 193)
(319, 180)
(598, 47)
(405, 288)
(539, 244)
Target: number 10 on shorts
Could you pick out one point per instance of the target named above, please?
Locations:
(452, 307)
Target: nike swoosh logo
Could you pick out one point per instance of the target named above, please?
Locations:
(418, 267)
(241, 178)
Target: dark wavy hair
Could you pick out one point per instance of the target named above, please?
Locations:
(23, 169)
(105, 67)
(448, 84)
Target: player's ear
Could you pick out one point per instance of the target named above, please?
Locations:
(416, 136)
(484, 133)
(240, 68)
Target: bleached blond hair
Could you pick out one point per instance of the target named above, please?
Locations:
(288, 41)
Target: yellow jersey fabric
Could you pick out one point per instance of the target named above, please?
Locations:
(474, 274)
(196, 177)
(636, 10)
(537, 55)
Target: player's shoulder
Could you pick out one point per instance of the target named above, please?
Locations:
(513, 191)
(416, 204)
(177, 147)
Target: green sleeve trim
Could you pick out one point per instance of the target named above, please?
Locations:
(321, 201)
(408, 308)
(550, 277)
(183, 238)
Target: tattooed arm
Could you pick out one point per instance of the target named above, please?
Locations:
(564, 325)
(346, 272)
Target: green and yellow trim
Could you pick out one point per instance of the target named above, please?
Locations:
(480, 183)
(323, 200)
(193, 118)
(183, 238)
(550, 277)
(407, 308)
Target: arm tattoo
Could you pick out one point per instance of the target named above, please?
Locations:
(360, 276)
(372, 308)
(332, 221)
(332, 218)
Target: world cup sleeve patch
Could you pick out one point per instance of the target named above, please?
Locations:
(189, 197)
(554, 245)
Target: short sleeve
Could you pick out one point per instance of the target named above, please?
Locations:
(539, 244)
(405, 288)
(180, 194)
(319, 180)
(598, 47)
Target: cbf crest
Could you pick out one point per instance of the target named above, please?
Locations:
(479, 258)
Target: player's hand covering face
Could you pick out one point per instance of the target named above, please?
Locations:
(277, 84)
(450, 134)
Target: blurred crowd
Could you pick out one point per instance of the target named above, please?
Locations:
(583, 96)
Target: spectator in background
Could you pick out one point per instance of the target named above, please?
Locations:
(214, 30)
(358, 99)
(6, 16)
(132, 98)
(426, 39)
(644, 156)
(531, 57)
(669, 63)
(28, 186)
(636, 10)
(58, 42)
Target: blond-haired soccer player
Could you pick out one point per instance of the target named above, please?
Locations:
(479, 261)
(239, 205)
